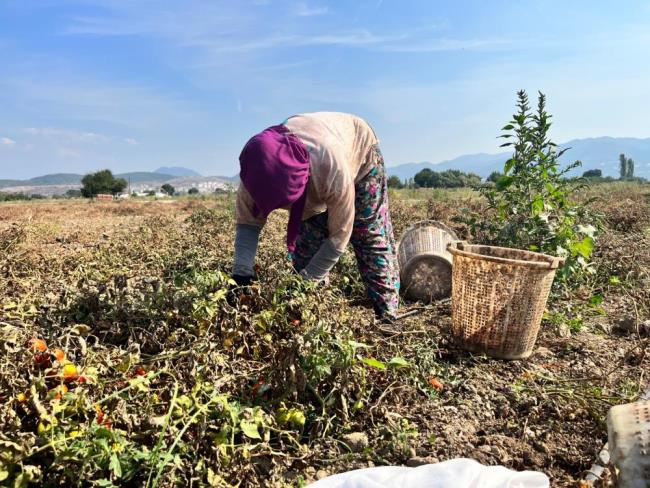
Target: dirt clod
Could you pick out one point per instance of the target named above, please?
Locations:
(357, 441)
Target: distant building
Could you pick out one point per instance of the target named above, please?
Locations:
(104, 197)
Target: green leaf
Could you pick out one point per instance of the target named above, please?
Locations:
(508, 127)
(30, 474)
(219, 295)
(504, 182)
(614, 280)
(584, 247)
(103, 444)
(398, 362)
(104, 483)
(374, 363)
(115, 465)
(596, 300)
(291, 416)
(250, 429)
(537, 206)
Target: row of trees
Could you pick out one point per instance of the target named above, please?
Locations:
(626, 170)
(103, 182)
(626, 167)
(427, 178)
(12, 197)
(452, 178)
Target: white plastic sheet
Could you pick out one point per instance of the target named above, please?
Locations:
(457, 473)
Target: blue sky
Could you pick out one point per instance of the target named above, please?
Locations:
(137, 84)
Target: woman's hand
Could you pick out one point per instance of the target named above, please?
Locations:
(239, 289)
(242, 280)
(325, 281)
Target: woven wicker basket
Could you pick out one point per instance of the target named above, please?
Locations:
(425, 263)
(498, 298)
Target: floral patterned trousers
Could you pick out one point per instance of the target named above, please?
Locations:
(372, 239)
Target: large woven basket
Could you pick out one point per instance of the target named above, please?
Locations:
(425, 263)
(498, 298)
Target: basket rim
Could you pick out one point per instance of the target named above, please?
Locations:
(552, 262)
(429, 223)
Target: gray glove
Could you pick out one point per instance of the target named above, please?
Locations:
(322, 262)
(246, 240)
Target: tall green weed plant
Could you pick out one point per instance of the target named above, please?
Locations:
(532, 204)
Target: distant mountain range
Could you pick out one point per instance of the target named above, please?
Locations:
(595, 153)
(59, 183)
(75, 179)
(177, 171)
(161, 175)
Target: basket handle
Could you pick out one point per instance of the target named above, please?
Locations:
(457, 245)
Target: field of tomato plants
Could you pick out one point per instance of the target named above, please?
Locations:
(124, 363)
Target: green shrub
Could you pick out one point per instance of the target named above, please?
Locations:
(395, 182)
(532, 203)
(451, 178)
(101, 182)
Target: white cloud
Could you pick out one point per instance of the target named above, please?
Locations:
(441, 45)
(359, 38)
(212, 31)
(304, 10)
(67, 135)
(130, 141)
(284, 66)
(5, 141)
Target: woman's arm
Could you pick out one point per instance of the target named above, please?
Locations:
(246, 240)
(339, 198)
(322, 262)
(247, 233)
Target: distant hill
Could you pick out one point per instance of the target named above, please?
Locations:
(57, 184)
(177, 171)
(595, 153)
(145, 176)
(6, 183)
(75, 179)
(53, 179)
(56, 179)
(481, 164)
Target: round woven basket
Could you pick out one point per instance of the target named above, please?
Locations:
(425, 263)
(498, 298)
